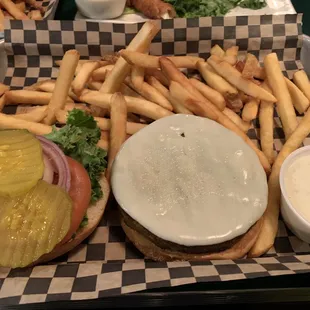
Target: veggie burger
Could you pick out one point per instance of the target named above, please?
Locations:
(38, 174)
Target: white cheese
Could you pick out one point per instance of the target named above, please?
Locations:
(190, 181)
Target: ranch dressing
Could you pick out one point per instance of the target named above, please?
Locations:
(296, 182)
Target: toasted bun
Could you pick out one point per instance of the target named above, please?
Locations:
(94, 214)
(152, 251)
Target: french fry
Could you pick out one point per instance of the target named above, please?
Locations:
(243, 97)
(80, 106)
(212, 95)
(270, 218)
(10, 122)
(94, 85)
(266, 111)
(300, 101)
(35, 86)
(176, 99)
(234, 77)
(21, 5)
(232, 51)
(231, 55)
(1, 20)
(34, 4)
(46, 86)
(31, 2)
(149, 61)
(158, 75)
(140, 43)
(215, 81)
(103, 144)
(133, 118)
(174, 74)
(105, 135)
(73, 96)
(101, 73)
(81, 62)
(252, 68)
(118, 129)
(150, 93)
(132, 128)
(234, 117)
(3, 102)
(35, 15)
(3, 89)
(36, 115)
(62, 86)
(83, 76)
(24, 109)
(157, 85)
(7, 15)
(28, 97)
(172, 97)
(137, 77)
(234, 103)
(300, 78)
(279, 88)
(217, 50)
(13, 10)
(240, 65)
(127, 91)
(260, 73)
(134, 105)
(250, 110)
(208, 110)
(103, 123)
(111, 58)
(49, 86)
(232, 60)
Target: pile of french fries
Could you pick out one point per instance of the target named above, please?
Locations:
(20, 10)
(127, 91)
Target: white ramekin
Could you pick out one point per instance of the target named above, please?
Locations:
(294, 221)
(101, 9)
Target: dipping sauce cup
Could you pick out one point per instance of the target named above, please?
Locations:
(295, 192)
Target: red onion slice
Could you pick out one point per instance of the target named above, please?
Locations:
(48, 170)
(58, 161)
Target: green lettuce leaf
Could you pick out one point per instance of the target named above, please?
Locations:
(201, 8)
(78, 139)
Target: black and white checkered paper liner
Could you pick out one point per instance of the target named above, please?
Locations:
(107, 263)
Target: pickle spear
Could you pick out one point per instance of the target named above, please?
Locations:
(32, 224)
(21, 162)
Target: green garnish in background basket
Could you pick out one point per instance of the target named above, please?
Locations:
(200, 8)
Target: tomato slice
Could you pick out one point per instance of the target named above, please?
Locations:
(80, 193)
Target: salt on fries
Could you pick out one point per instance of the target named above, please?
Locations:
(127, 91)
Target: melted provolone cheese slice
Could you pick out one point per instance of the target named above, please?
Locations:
(190, 181)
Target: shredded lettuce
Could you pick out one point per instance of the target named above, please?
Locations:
(84, 222)
(201, 8)
(129, 10)
(78, 139)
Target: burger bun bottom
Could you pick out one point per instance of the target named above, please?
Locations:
(152, 251)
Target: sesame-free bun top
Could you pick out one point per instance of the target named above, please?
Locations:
(190, 181)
